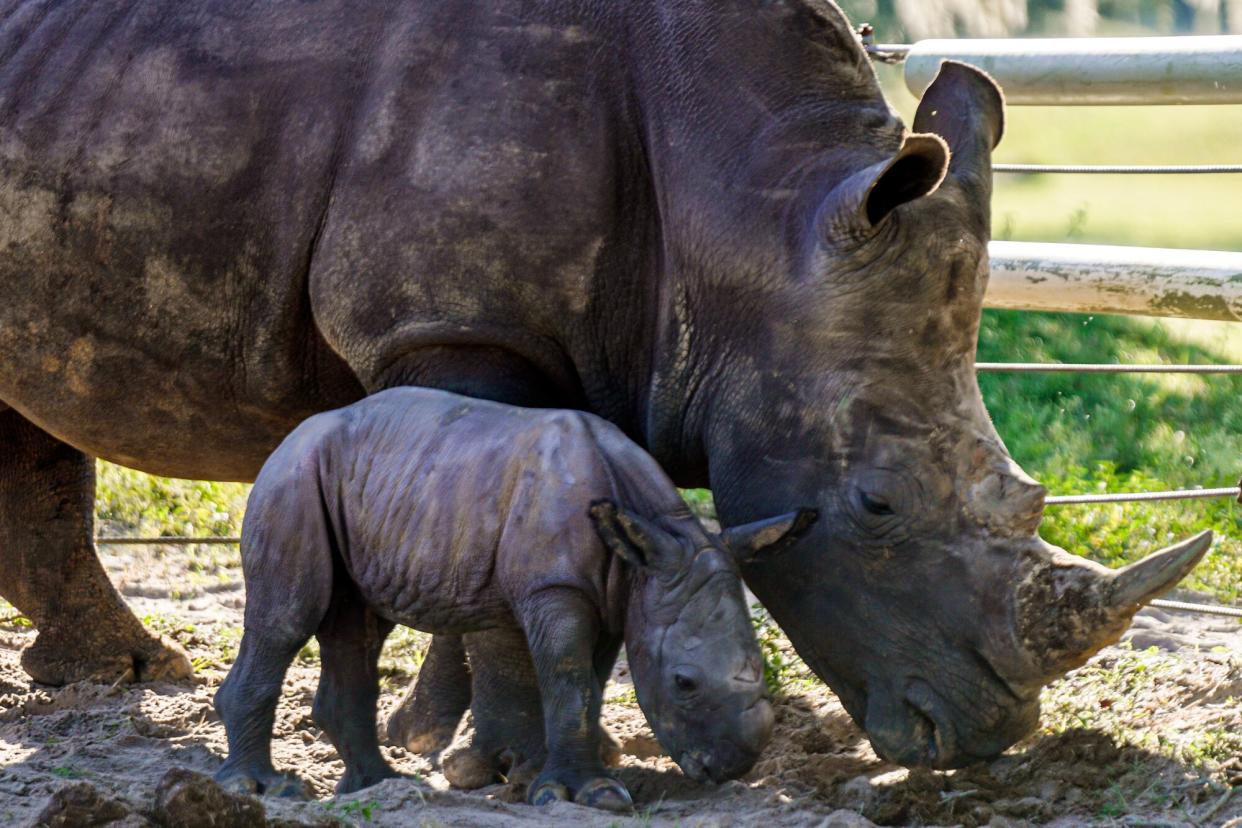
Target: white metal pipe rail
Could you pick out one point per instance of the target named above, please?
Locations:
(1089, 71)
(1097, 278)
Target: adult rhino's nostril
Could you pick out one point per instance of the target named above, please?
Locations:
(901, 732)
(941, 743)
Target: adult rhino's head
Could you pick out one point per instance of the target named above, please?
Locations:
(923, 595)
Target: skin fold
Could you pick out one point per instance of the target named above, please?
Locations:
(454, 515)
(698, 220)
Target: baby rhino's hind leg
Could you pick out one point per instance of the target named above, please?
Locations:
(350, 640)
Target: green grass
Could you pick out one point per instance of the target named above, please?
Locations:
(1091, 433)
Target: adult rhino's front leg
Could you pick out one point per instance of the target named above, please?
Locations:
(49, 570)
(428, 716)
(508, 741)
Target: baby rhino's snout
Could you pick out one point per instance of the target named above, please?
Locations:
(734, 752)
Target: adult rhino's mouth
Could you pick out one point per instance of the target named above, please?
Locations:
(919, 729)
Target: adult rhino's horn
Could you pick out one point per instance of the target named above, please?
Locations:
(1138, 583)
(1068, 608)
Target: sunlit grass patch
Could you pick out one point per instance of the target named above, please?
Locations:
(404, 651)
(154, 506)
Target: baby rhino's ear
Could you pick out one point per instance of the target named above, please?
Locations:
(625, 534)
(752, 541)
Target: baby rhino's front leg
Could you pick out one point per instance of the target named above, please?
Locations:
(562, 631)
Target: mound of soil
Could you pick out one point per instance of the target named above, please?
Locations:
(133, 755)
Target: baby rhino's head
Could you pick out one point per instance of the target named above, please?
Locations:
(689, 640)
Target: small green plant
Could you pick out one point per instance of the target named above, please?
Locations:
(700, 503)
(352, 811)
(779, 668)
(10, 617)
(1115, 806)
(309, 654)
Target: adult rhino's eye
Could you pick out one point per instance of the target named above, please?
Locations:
(875, 505)
(684, 683)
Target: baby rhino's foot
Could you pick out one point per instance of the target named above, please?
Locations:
(263, 781)
(593, 791)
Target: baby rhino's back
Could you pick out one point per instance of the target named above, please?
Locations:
(444, 508)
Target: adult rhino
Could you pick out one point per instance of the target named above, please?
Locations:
(696, 218)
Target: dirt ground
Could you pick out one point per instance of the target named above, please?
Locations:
(1138, 737)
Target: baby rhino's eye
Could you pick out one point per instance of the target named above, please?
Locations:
(684, 683)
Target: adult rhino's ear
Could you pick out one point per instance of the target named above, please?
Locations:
(625, 534)
(751, 541)
(965, 107)
(868, 196)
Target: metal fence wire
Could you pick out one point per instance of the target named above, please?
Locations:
(1119, 169)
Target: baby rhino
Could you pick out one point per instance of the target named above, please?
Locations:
(455, 515)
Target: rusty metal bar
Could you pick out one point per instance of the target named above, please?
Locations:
(1101, 368)
(1097, 278)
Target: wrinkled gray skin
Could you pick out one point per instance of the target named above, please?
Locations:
(698, 219)
(453, 515)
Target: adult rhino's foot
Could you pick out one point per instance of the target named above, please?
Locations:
(508, 740)
(50, 572)
(103, 654)
(477, 766)
(265, 781)
(584, 788)
(428, 716)
(485, 762)
(416, 733)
